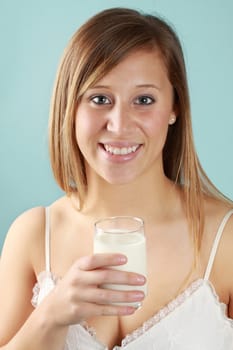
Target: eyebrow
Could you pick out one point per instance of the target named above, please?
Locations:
(149, 86)
(137, 86)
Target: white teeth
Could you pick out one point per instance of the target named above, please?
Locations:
(120, 151)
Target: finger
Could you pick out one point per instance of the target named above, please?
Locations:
(87, 310)
(96, 261)
(109, 276)
(107, 310)
(108, 296)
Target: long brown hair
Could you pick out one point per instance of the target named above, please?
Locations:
(98, 46)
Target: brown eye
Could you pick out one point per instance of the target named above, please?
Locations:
(100, 100)
(144, 100)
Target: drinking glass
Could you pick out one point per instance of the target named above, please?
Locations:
(125, 235)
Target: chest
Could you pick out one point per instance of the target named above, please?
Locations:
(194, 320)
(163, 284)
(169, 262)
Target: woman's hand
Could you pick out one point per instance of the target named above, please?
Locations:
(79, 295)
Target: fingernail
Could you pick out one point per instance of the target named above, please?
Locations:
(138, 295)
(140, 279)
(122, 259)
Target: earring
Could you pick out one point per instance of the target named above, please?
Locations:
(172, 120)
(72, 184)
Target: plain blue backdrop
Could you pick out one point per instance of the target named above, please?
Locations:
(33, 35)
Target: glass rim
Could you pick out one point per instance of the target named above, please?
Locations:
(137, 219)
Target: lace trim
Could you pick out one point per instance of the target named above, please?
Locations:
(41, 279)
(221, 306)
(46, 282)
(35, 294)
(162, 313)
(45, 275)
(48, 276)
(90, 330)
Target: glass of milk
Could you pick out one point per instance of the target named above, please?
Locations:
(125, 235)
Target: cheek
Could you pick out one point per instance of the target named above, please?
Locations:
(157, 125)
(86, 124)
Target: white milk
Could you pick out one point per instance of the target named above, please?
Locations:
(133, 245)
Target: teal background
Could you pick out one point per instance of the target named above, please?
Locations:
(33, 35)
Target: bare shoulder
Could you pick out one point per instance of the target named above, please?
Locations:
(26, 237)
(219, 219)
(17, 271)
(23, 235)
(225, 260)
(26, 221)
(215, 212)
(22, 259)
(25, 226)
(219, 216)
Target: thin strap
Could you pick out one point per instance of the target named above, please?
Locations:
(47, 239)
(216, 243)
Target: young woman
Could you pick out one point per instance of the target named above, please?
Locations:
(121, 144)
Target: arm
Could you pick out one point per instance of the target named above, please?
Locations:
(76, 297)
(22, 326)
(227, 270)
(222, 274)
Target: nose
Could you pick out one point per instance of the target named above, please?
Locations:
(120, 120)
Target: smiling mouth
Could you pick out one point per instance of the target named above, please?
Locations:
(120, 150)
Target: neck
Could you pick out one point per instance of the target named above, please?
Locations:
(150, 198)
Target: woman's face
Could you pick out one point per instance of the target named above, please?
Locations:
(122, 121)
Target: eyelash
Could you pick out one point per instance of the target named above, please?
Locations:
(140, 100)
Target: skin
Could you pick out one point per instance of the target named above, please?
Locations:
(131, 113)
(122, 112)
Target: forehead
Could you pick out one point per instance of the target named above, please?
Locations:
(137, 65)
